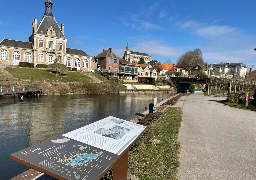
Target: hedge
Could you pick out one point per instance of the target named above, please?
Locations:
(26, 64)
(42, 66)
(147, 80)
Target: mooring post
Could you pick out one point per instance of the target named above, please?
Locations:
(246, 100)
(24, 87)
(13, 88)
(2, 88)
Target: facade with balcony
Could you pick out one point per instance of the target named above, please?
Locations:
(128, 71)
(46, 44)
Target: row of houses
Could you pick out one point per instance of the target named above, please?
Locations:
(48, 43)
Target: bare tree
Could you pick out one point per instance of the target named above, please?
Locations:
(190, 59)
(58, 67)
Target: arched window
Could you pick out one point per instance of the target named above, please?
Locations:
(50, 59)
(77, 63)
(16, 57)
(86, 64)
(27, 57)
(4, 55)
(69, 62)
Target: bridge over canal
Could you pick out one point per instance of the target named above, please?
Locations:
(182, 83)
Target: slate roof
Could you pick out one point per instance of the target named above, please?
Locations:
(107, 53)
(229, 65)
(13, 43)
(138, 53)
(76, 52)
(47, 22)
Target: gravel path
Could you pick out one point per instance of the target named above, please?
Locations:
(217, 141)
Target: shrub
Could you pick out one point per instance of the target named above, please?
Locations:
(26, 64)
(116, 79)
(74, 69)
(147, 80)
(42, 66)
(58, 68)
(191, 88)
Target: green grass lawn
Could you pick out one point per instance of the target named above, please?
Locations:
(100, 77)
(238, 105)
(46, 75)
(158, 161)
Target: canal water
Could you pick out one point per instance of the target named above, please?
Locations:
(35, 120)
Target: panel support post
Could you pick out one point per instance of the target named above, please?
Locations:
(120, 168)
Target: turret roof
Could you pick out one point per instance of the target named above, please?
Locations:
(46, 23)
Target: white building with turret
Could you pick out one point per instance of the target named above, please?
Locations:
(134, 57)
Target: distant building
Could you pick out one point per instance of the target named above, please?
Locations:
(134, 57)
(108, 61)
(166, 67)
(46, 44)
(176, 69)
(199, 68)
(230, 69)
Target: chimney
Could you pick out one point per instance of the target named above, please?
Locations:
(62, 28)
(250, 70)
(34, 25)
(103, 49)
(110, 49)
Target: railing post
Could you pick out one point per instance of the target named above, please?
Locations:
(2, 88)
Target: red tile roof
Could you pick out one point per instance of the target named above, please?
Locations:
(167, 66)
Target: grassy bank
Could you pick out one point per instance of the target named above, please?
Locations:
(46, 75)
(155, 155)
(238, 105)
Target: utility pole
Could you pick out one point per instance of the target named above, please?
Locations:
(208, 82)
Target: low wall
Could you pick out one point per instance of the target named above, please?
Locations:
(145, 86)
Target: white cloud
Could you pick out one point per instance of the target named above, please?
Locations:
(153, 7)
(192, 24)
(153, 48)
(208, 31)
(162, 14)
(140, 25)
(230, 56)
(214, 31)
(148, 25)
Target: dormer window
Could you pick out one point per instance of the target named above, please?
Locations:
(51, 45)
(41, 43)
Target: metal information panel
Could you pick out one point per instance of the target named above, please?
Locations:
(84, 153)
(110, 134)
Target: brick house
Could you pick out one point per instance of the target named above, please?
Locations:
(108, 61)
(46, 44)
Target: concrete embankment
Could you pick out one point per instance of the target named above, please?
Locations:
(52, 88)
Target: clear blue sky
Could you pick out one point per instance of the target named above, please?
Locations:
(224, 30)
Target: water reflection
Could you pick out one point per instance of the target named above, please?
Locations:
(35, 120)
